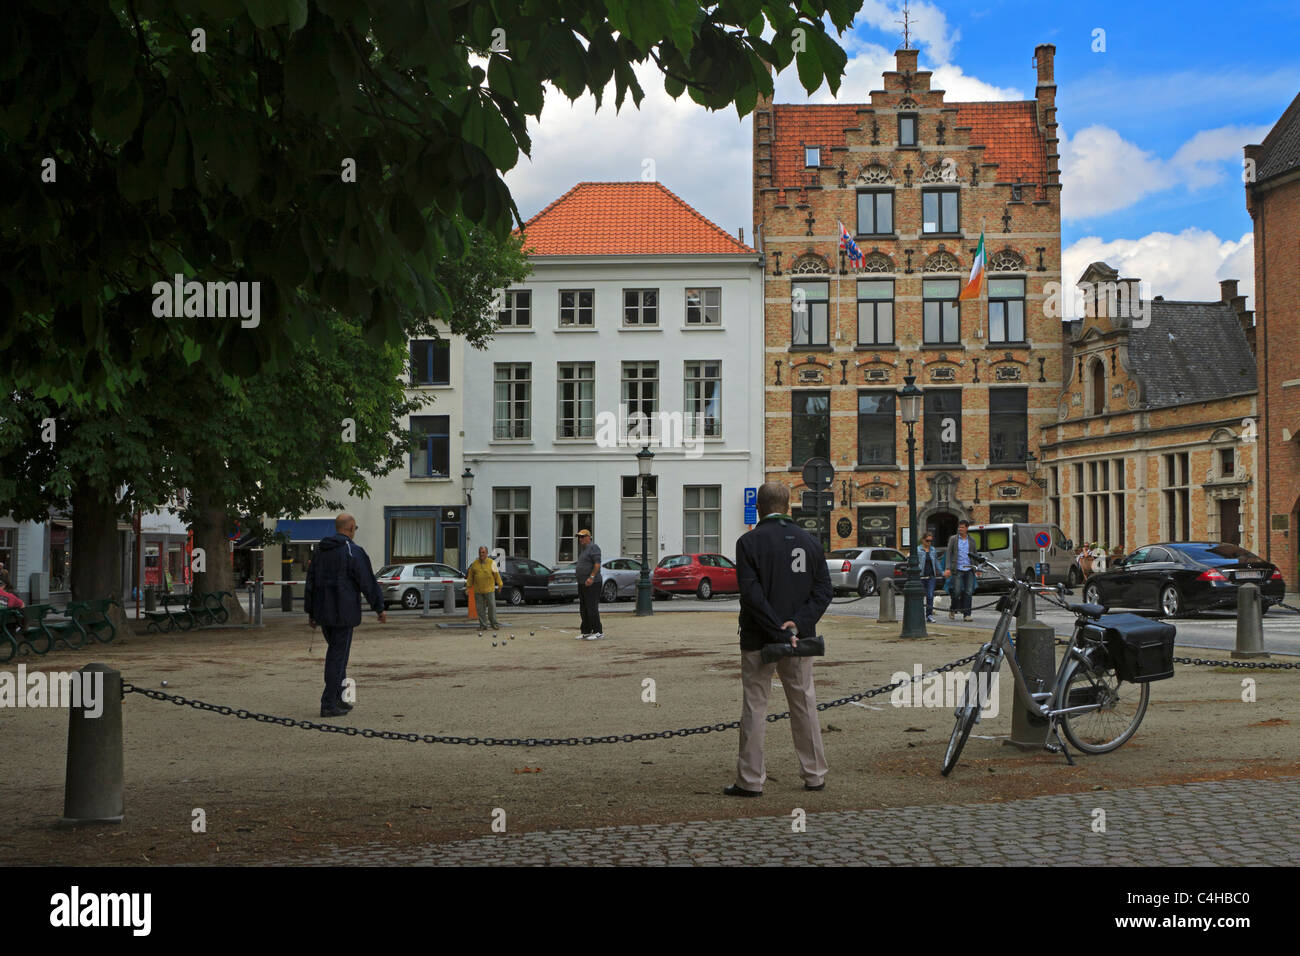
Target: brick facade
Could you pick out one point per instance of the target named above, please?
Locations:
(1000, 158)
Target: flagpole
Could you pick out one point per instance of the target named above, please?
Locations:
(984, 275)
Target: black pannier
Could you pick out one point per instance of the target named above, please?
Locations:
(1141, 649)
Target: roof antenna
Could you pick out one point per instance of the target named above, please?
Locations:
(906, 22)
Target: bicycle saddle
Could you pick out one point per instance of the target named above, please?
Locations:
(1088, 610)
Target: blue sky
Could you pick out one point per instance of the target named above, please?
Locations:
(1152, 127)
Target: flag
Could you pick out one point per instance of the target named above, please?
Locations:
(976, 279)
(851, 250)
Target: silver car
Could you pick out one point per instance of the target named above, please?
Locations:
(620, 576)
(562, 584)
(861, 569)
(404, 583)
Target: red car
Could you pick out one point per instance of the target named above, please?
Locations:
(703, 574)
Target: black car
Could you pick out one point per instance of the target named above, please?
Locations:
(523, 579)
(1177, 578)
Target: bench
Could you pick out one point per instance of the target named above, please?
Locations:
(24, 628)
(209, 606)
(91, 618)
(167, 619)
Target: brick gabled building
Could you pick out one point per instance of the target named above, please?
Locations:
(1273, 200)
(913, 178)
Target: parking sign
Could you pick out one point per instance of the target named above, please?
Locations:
(751, 506)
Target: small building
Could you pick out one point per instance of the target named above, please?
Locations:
(1155, 432)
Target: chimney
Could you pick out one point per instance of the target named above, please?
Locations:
(762, 119)
(1227, 290)
(741, 235)
(1044, 57)
(906, 60)
(1045, 95)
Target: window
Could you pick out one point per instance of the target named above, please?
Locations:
(431, 457)
(703, 399)
(876, 445)
(1097, 396)
(411, 539)
(510, 512)
(573, 511)
(640, 307)
(1004, 514)
(1099, 502)
(632, 486)
(577, 308)
(430, 362)
(701, 518)
(8, 542)
(641, 398)
(875, 212)
(1054, 491)
(906, 129)
(1227, 462)
(1006, 310)
(810, 421)
(1177, 496)
(941, 317)
(512, 402)
(517, 309)
(703, 306)
(812, 156)
(942, 422)
(1008, 426)
(809, 318)
(575, 417)
(876, 312)
(939, 211)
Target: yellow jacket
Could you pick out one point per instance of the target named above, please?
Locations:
(482, 576)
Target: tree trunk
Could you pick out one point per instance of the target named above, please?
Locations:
(210, 535)
(96, 551)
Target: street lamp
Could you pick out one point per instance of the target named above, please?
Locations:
(644, 600)
(1031, 468)
(467, 482)
(909, 404)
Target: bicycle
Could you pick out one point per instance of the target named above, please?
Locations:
(1085, 698)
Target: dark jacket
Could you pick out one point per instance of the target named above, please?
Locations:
(337, 578)
(951, 552)
(781, 570)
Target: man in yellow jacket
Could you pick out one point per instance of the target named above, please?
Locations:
(482, 578)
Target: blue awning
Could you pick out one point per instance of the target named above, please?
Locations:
(306, 529)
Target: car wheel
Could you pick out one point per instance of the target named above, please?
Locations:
(411, 599)
(609, 592)
(1074, 578)
(1092, 594)
(1171, 602)
(866, 584)
(705, 590)
(515, 597)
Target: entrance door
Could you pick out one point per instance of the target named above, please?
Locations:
(1230, 520)
(630, 520)
(944, 524)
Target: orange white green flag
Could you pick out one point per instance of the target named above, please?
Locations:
(976, 280)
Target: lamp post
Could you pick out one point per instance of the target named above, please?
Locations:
(1031, 468)
(909, 404)
(467, 482)
(644, 600)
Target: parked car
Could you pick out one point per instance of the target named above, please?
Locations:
(703, 574)
(620, 576)
(860, 569)
(404, 583)
(1177, 578)
(523, 580)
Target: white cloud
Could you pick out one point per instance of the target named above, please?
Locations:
(1102, 172)
(928, 26)
(1187, 265)
(960, 88)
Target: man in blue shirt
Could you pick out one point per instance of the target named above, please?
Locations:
(960, 567)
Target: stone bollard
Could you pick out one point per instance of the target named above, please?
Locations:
(888, 612)
(1250, 623)
(1027, 611)
(1036, 652)
(92, 790)
(449, 598)
(424, 599)
(150, 600)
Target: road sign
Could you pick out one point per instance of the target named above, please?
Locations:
(818, 501)
(1042, 539)
(1041, 570)
(751, 506)
(818, 473)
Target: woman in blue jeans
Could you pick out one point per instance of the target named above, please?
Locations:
(928, 559)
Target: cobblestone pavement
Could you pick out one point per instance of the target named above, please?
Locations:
(1228, 823)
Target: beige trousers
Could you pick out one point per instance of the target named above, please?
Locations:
(797, 679)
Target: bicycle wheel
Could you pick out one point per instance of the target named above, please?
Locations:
(968, 710)
(1122, 708)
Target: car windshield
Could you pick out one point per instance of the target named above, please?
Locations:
(676, 561)
(991, 539)
(849, 553)
(1217, 555)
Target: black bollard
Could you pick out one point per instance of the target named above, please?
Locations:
(93, 786)
(1036, 652)
(1250, 623)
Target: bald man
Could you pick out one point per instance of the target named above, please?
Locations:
(339, 574)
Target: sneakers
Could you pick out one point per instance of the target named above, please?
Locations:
(929, 619)
(966, 618)
(952, 615)
(595, 636)
(580, 637)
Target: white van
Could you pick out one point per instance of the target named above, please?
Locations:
(1014, 549)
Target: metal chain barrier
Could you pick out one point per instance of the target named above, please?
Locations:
(512, 741)
(1289, 607)
(1219, 662)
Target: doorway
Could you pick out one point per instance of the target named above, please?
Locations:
(1230, 520)
(943, 524)
(630, 519)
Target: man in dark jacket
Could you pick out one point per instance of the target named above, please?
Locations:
(785, 588)
(338, 576)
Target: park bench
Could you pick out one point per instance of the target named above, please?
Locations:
(91, 619)
(208, 605)
(167, 619)
(24, 628)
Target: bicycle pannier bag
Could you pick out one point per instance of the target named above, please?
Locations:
(1141, 649)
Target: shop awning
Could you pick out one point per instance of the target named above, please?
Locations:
(306, 529)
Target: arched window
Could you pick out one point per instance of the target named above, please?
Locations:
(1098, 387)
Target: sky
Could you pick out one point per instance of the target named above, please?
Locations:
(1153, 110)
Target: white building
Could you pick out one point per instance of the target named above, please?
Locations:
(637, 306)
(415, 513)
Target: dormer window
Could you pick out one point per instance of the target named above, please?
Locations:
(906, 129)
(812, 156)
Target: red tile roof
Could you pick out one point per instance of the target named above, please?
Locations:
(610, 219)
(1008, 131)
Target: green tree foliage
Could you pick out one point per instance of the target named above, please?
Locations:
(227, 162)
